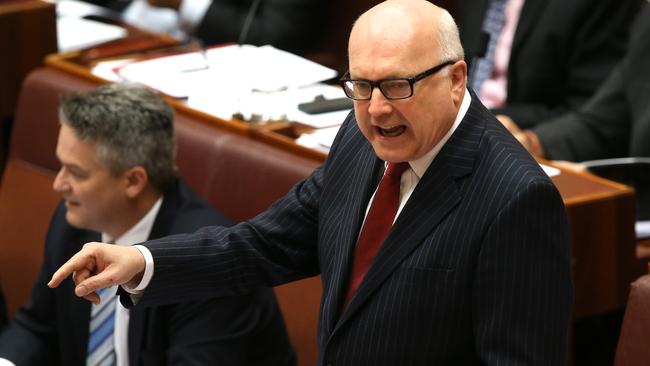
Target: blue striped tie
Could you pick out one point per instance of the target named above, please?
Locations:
(495, 18)
(101, 350)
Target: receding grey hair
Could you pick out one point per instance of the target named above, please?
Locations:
(450, 46)
(131, 125)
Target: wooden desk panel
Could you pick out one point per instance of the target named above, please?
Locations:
(27, 34)
(602, 215)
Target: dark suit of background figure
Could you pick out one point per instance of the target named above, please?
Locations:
(478, 256)
(616, 121)
(53, 328)
(287, 24)
(562, 51)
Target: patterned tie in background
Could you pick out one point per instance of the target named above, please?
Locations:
(378, 223)
(495, 18)
(101, 350)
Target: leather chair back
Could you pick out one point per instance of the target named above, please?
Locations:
(633, 347)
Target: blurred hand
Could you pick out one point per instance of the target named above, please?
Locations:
(100, 265)
(172, 4)
(525, 137)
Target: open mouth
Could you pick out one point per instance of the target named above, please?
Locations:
(391, 131)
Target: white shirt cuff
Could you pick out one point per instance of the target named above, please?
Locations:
(191, 13)
(148, 272)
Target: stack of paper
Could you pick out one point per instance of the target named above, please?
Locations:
(74, 32)
(321, 139)
(231, 79)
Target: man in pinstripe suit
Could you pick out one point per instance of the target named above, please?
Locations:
(476, 267)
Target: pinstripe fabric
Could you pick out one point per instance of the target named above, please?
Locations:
(475, 269)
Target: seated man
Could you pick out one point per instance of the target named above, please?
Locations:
(119, 183)
(544, 57)
(288, 24)
(614, 123)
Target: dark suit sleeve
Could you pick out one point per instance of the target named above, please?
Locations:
(286, 24)
(522, 285)
(247, 329)
(278, 246)
(594, 44)
(275, 247)
(616, 121)
(599, 130)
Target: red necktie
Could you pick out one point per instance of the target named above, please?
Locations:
(377, 225)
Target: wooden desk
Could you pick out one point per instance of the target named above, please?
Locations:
(27, 34)
(602, 216)
(601, 212)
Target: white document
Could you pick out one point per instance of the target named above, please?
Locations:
(642, 229)
(76, 33)
(320, 139)
(550, 171)
(231, 79)
(74, 8)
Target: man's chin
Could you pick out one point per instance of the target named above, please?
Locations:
(74, 221)
(391, 155)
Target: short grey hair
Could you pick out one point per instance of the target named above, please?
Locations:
(132, 126)
(450, 46)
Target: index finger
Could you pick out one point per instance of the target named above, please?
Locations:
(77, 262)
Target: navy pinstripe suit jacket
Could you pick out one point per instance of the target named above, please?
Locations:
(475, 270)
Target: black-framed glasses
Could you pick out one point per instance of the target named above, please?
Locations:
(394, 88)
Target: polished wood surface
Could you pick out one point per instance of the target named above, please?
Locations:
(27, 34)
(602, 216)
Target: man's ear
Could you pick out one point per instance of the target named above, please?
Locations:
(136, 181)
(458, 74)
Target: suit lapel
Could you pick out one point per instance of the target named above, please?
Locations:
(138, 315)
(367, 173)
(527, 20)
(81, 309)
(78, 306)
(435, 196)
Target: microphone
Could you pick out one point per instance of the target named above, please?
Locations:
(248, 21)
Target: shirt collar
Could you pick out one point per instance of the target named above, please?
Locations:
(140, 231)
(421, 165)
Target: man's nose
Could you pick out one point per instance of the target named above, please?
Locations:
(378, 103)
(59, 184)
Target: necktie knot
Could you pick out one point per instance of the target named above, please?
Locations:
(396, 169)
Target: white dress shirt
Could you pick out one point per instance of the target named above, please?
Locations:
(137, 234)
